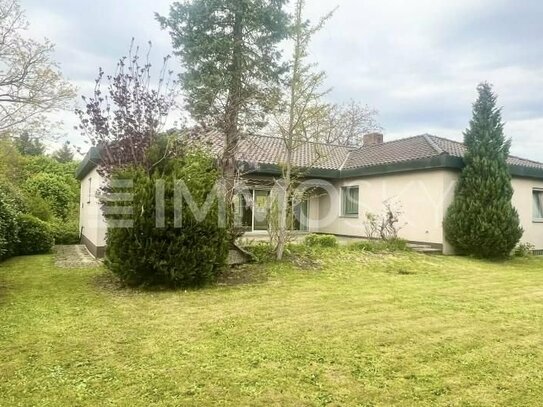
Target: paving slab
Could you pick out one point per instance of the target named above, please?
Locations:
(74, 256)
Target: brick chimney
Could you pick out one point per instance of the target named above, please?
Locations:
(372, 139)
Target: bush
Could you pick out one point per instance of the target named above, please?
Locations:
(39, 208)
(262, 252)
(379, 246)
(524, 250)
(65, 233)
(35, 236)
(396, 244)
(13, 196)
(54, 190)
(9, 229)
(191, 255)
(320, 240)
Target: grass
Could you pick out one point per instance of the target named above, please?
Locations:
(361, 329)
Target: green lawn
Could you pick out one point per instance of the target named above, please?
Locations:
(361, 329)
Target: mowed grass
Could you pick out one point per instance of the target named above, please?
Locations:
(360, 330)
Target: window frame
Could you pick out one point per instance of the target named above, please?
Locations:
(346, 192)
(535, 192)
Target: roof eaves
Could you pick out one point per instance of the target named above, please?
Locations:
(90, 162)
(433, 162)
(522, 171)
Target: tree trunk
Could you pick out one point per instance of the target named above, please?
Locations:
(231, 127)
(289, 137)
(283, 230)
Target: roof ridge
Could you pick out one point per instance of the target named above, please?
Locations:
(361, 148)
(446, 139)
(304, 142)
(347, 156)
(433, 144)
(464, 145)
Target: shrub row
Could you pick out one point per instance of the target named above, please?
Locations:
(9, 229)
(23, 233)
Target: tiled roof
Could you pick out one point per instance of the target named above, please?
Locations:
(265, 150)
(457, 149)
(408, 149)
(271, 150)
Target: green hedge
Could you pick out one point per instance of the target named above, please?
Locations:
(35, 236)
(65, 233)
(54, 190)
(9, 229)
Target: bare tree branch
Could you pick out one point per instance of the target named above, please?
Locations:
(31, 84)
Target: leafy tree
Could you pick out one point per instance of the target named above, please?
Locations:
(125, 120)
(300, 105)
(64, 154)
(27, 144)
(482, 221)
(343, 124)
(231, 58)
(53, 190)
(33, 189)
(11, 160)
(31, 84)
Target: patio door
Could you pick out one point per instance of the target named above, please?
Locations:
(300, 216)
(261, 210)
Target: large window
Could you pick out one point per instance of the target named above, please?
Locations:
(349, 201)
(538, 204)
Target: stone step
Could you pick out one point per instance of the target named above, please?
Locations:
(426, 249)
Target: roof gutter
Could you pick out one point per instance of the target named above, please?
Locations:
(90, 162)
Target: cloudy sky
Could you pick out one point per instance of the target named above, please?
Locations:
(417, 62)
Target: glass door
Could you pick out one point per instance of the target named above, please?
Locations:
(300, 216)
(261, 209)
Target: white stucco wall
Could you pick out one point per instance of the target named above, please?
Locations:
(424, 197)
(523, 201)
(420, 195)
(91, 222)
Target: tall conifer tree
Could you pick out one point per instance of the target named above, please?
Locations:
(230, 54)
(482, 221)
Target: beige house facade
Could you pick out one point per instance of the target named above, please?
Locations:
(343, 185)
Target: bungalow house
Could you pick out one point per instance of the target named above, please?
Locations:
(418, 174)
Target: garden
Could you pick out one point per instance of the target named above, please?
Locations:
(39, 198)
(349, 325)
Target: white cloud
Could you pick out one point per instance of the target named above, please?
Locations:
(418, 62)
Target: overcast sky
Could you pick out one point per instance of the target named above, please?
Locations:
(417, 62)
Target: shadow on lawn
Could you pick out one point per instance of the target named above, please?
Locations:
(236, 276)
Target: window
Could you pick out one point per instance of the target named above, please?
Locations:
(538, 204)
(349, 201)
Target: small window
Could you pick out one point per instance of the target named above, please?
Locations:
(538, 204)
(349, 201)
